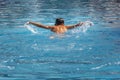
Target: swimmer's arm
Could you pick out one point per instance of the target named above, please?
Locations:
(40, 25)
(74, 26)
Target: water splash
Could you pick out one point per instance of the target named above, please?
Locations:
(106, 65)
(7, 67)
(84, 27)
(30, 28)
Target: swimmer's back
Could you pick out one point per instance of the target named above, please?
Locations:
(59, 29)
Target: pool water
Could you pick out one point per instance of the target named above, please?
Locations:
(77, 55)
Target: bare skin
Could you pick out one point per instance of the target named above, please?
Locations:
(59, 29)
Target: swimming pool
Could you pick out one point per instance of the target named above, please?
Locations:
(93, 55)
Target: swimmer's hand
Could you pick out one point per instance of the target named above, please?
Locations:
(89, 23)
(74, 26)
(27, 23)
(79, 24)
(84, 23)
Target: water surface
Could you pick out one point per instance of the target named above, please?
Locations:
(92, 55)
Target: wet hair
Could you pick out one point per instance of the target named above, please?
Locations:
(59, 21)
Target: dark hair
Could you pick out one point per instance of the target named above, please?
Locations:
(59, 21)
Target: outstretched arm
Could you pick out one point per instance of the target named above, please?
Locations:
(40, 25)
(74, 26)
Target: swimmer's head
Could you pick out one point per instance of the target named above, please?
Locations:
(59, 21)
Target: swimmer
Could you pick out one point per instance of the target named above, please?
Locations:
(59, 26)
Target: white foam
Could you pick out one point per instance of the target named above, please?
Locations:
(98, 67)
(30, 28)
(9, 67)
(84, 27)
(104, 65)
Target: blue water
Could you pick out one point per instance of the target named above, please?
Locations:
(90, 55)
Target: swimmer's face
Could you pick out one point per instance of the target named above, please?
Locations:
(59, 21)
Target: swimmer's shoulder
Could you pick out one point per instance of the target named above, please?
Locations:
(51, 27)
